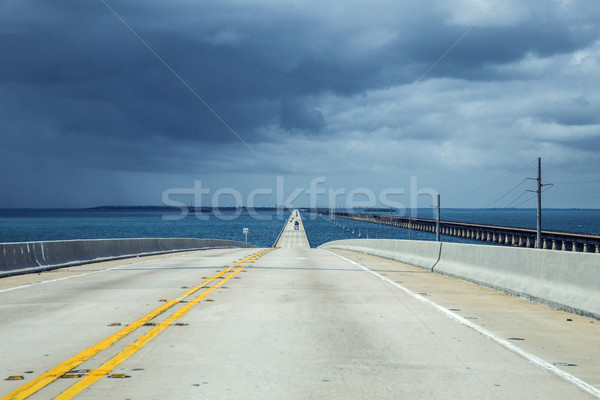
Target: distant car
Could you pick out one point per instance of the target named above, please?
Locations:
(296, 225)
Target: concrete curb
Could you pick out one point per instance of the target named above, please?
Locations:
(564, 280)
(30, 257)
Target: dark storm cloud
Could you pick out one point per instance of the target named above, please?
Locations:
(94, 77)
(78, 87)
(295, 115)
(486, 47)
(576, 112)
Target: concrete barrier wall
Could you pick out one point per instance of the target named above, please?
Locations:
(27, 257)
(568, 281)
(420, 254)
(565, 280)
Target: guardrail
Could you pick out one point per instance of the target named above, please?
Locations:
(510, 236)
(280, 233)
(28, 257)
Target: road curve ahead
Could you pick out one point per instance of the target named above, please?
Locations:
(293, 234)
(289, 323)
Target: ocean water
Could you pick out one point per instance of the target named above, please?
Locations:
(38, 225)
(565, 220)
(263, 226)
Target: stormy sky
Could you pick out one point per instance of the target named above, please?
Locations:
(120, 102)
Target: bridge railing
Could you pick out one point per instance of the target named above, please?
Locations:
(505, 235)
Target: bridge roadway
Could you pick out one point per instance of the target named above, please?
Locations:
(290, 323)
(521, 237)
(291, 237)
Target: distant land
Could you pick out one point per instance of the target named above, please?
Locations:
(348, 209)
(191, 209)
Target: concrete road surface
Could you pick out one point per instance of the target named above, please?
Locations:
(291, 323)
(292, 234)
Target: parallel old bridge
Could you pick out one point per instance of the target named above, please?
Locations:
(511, 236)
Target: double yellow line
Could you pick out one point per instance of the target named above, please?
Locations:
(94, 375)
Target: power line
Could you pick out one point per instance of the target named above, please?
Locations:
(494, 182)
(512, 202)
(532, 197)
(505, 194)
(523, 202)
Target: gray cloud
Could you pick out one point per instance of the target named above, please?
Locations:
(295, 115)
(78, 88)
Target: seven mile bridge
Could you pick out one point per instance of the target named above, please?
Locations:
(347, 320)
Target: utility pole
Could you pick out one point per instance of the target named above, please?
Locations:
(538, 191)
(539, 205)
(437, 220)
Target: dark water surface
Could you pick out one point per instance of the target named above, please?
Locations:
(63, 224)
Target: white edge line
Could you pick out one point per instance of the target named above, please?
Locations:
(586, 387)
(85, 273)
(56, 280)
(70, 277)
(175, 254)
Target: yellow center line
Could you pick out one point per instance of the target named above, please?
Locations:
(51, 375)
(95, 375)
